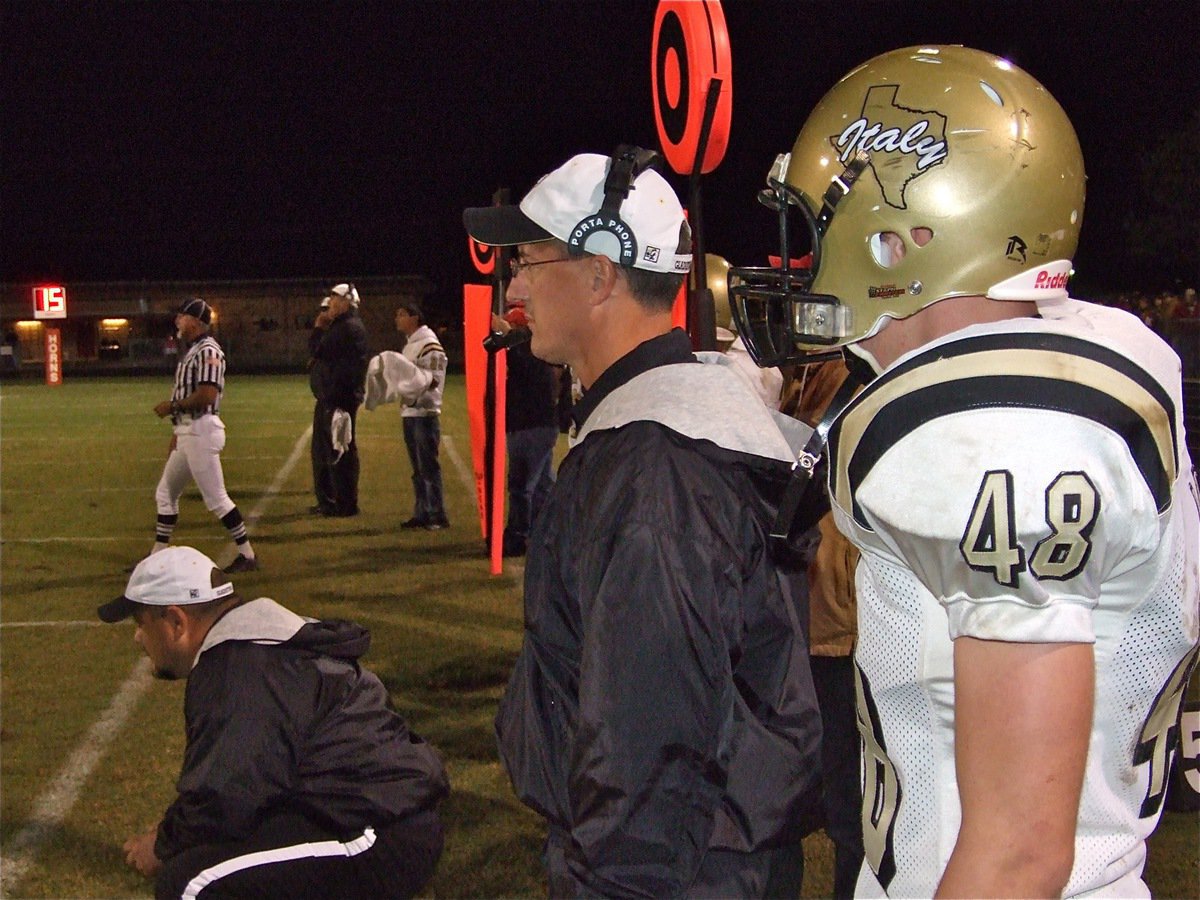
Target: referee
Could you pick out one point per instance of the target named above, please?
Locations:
(199, 434)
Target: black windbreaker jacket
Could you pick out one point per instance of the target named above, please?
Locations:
(662, 703)
(338, 368)
(280, 716)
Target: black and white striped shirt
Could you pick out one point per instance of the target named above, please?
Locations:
(203, 362)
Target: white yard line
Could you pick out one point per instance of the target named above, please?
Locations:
(66, 540)
(56, 802)
(280, 477)
(139, 488)
(225, 457)
(253, 516)
(465, 473)
(75, 624)
(76, 490)
(34, 428)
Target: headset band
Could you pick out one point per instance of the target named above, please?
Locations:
(626, 164)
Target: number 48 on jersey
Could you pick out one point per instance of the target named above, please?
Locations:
(989, 543)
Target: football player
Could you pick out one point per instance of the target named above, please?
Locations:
(1015, 475)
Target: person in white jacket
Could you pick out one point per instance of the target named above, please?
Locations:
(420, 417)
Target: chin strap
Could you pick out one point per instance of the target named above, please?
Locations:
(790, 510)
(839, 187)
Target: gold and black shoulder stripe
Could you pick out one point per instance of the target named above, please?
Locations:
(1032, 371)
(428, 349)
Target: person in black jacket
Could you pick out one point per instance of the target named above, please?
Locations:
(661, 715)
(298, 779)
(531, 396)
(337, 370)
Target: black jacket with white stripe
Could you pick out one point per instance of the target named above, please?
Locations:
(280, 716)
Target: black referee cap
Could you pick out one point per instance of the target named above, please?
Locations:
(198, 308)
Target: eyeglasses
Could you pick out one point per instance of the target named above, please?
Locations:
(516, 266)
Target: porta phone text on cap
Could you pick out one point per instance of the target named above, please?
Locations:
(609, 225)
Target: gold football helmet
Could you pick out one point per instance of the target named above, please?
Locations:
(925, 173)
(716, 272)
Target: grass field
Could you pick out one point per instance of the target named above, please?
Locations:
(90, 745)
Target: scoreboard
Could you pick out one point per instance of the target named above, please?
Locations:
(50, 302)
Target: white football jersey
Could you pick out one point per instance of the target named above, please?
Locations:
(1020, 481)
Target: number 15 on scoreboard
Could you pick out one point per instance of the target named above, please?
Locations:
(50, 302)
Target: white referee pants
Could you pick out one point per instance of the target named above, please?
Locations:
(196, 457)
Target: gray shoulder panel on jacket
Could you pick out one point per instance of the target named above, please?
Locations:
(704, 402)
(262, 620)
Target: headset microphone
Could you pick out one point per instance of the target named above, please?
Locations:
(502, 340)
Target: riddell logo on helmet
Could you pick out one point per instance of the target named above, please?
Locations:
(1048, 281)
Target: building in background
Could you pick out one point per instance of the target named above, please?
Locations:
(262, 325)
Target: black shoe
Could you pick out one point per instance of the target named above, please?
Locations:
(437, 524)
(321, 510)
(242, 564)
(415, 522)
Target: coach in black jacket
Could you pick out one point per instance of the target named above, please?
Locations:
(298, 779)
(661, 715)
(337, 373)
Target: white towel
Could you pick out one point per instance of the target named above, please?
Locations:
(343, 432)
(392, 376)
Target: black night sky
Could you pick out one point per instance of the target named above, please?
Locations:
(177, 140)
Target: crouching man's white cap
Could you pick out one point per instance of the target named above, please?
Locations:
(177, 576)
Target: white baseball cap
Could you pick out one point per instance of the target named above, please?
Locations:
(646, 230)
(346, 292)
(177, 576)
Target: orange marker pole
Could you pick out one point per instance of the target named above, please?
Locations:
(477, 311)
(499, 481)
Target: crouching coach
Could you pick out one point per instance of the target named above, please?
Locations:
(298, 779)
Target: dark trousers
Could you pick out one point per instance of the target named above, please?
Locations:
(398, 864)
(833, 677)
(422, 434)
(530, 476)
(775, 872)
(335, 480)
